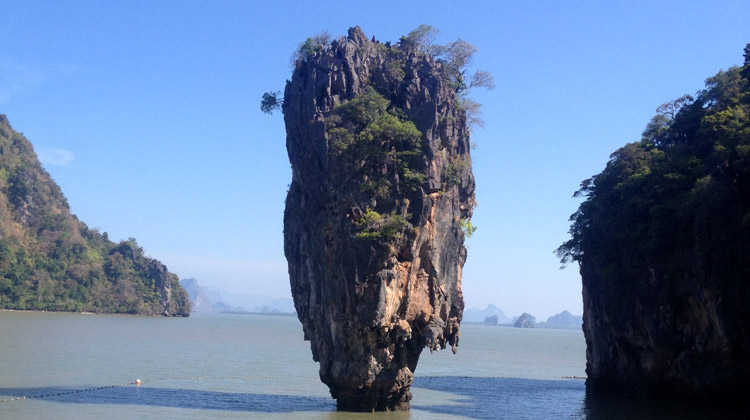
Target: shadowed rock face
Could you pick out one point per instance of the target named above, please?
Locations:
(685, 337)
(663, 242)
(372, 292)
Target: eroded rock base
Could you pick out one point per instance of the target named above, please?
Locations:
(371, 402)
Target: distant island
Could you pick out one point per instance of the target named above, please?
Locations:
(480, 315)
(563, 321)
(526, 320)
(51, 261)
(494, 316)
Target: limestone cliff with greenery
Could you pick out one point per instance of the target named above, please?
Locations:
(379, 206)
(49, 260)
(663, 242)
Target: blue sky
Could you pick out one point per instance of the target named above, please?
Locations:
(146, 113)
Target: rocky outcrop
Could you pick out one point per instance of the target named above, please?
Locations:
(663, 242)
(373, 235)
(562, 321)
(684, 337)
(525, 321)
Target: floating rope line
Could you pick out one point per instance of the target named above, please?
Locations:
(139, 382)
(224, 378)
(57, 394)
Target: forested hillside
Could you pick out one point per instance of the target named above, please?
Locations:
(663, 241)
(49, 260)
(685, 184)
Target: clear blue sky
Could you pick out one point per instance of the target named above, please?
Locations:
(146, 113)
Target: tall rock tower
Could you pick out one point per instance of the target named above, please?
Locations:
(381, 188)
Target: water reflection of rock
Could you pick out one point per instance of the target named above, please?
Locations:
(617, 408)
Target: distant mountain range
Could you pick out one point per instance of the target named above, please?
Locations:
(207, 300)
(492, 315)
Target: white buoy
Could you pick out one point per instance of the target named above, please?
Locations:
(138, 382)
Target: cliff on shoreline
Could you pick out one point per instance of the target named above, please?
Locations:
(663, 242)
(49, 260)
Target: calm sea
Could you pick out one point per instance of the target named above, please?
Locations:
(72, 366)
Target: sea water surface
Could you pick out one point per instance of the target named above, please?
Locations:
(76, 366)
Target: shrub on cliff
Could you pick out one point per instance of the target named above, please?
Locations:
(371, 143)
(310, 47)
(455, 58)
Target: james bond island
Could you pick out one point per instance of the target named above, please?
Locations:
(380, 201)
(663, 242)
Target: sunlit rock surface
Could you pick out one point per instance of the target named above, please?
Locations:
(369, 307)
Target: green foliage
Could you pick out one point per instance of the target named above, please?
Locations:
(364, 109)
(389, 130)
(51, 261)
(339, 139)
(394, 69)
(684, 187)
(467, 227)
(367, 134)
(377, 187)
(453, 172)
(455, 57)
(371, 145)
(271, 102)
(421, 38)
(374, 226)
(310, 47)
(411, 180)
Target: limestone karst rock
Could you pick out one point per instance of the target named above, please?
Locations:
(663, 243)
(381, 188)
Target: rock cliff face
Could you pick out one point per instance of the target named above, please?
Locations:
(373, 234)
(663, 242)
(684, 339)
